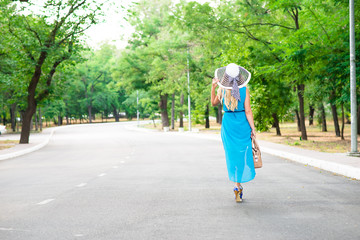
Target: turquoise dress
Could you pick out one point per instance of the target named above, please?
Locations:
(236, 138)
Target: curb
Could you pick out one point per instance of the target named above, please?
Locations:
(28, 150)
(341, 169)
(345, 170)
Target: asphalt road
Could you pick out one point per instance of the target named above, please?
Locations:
(108, 181)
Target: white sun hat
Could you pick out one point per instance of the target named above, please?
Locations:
(232, 71)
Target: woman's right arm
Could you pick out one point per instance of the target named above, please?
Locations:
(248, 112)
(214, 99)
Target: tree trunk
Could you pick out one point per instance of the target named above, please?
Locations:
(219, 113)
(40, 119)
(358, 119)
(342, 121)
(298, 120)
(336, 121)
(89, 113)
(36, 122)
(173, 111)
(115, 113)
(26, 122)
(323, 118)
(21, 121)
(4, 118)
(163, 109)
(31, 124)
(181, 112)
(89, 105)
(301, 89)
(311, 115)
(207, 120)
(13, 116)
(31, 102)
(276, 124)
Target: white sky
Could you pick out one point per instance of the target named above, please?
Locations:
(114, 30)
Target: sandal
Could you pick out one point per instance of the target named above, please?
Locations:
(238, 194)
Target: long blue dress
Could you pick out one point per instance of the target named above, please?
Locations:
(236, 138)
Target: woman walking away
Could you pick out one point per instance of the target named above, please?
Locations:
(237, 124)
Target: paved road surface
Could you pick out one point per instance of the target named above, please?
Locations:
(107, 181)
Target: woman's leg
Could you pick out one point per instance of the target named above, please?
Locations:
(237, 185)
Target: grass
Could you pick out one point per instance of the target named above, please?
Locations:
(4, 144)
(317, 140)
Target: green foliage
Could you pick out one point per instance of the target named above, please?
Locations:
(283, 43)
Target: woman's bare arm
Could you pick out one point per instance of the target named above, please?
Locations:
(214, 99)
(248, 112)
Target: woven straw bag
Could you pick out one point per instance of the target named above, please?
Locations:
(256, 153)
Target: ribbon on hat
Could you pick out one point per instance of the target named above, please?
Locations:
(235, 87)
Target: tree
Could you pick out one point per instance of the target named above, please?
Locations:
(47, 39)
(155, 60)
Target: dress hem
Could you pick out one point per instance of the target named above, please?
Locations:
(233, 180)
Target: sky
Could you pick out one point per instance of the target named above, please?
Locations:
(114, 30)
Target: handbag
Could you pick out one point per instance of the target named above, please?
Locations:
(256, 153)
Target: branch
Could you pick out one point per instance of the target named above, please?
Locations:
(251, 36)
(58, 11)
(98, 76)
(255, 38)
(201, 70)
(46, 92)
(322, 26)
(248, 3)
(33, 31)
(233, 30)
(271, 24)
(71, 35)
(265, 43)
(63, 19)
(291, 15)
(216, 56)
(21, 42)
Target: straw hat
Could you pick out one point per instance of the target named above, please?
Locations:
(233, 77)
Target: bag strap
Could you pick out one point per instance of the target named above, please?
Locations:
(255, 145)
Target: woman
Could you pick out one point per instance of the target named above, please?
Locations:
(237, 124)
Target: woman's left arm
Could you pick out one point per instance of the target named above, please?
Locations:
(214, 99)
(248, 112)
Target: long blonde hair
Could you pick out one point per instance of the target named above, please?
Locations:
(230, 102)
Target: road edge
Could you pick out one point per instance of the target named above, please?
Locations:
(341, 169)
(28, 150)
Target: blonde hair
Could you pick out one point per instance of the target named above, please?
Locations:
(230, 102)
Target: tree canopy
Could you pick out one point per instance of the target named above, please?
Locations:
(297, 52)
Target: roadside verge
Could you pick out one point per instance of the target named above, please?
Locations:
(22, 149)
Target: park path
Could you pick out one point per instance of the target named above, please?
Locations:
(108, 181)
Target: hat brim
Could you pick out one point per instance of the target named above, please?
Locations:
(241, 86)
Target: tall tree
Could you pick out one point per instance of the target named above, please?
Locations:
(48, 36)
